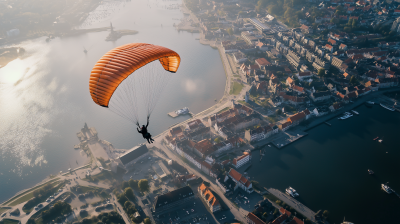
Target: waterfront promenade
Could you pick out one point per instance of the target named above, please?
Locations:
(293, 203)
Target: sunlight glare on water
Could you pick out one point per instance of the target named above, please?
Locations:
(26, 107)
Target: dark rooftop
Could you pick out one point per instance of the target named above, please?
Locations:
(134, 153)
(173, 196)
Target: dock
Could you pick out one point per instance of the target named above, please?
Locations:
(173, 114)
(288, 137)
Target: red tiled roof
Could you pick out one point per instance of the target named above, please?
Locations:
(328, 46)
(286, 124)
(298, 88)
(209, 196)
(262, 62)
(284, 211)
(175, 131)
(304, 73)
(333, 42)
(254, 218)
(239, 177)
(296, 220)
(237, 159)
(296, 117)
(280, 219)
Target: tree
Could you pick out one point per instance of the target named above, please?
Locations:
(125, 184)
(325, 214)
(353, 80)
(129, 193)
(276, 212)
(217, 140)
(278, 111)
(36, 193)
(321, 72)
(229, 31)
(146, 221)
(265, 214)
(31, 221)
(143, 185)
(132, 183)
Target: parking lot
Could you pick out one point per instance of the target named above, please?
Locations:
(189, 212)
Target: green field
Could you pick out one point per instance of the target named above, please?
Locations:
(27, 196)
(236, 88)
(225, 109)
(51, 192)
(9, 221)
(30, 190)
(3, 210)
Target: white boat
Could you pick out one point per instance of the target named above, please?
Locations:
(355, 112)
(380, 140)
(182, 111)
(292, 192)
(345, 117)
(370, 102)
(387, 188)
(386, 107)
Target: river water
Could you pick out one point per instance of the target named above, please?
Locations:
(45, 99)
(328, 168)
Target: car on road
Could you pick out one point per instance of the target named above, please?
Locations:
(187, 212)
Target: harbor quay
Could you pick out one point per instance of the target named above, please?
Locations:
(293, 203)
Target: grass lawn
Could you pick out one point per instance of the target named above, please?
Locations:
(3, 210)
(225, 109)
(9, 221)
(272, 119)
(27, 197)
(236, 88)
(86, 189)
(30, 190)
(51, 192)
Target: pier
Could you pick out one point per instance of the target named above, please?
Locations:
(288, 137)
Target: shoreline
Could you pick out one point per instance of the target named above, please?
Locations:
(75, 21)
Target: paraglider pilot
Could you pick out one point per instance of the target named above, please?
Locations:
(144, 132)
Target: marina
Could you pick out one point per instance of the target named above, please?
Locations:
(307, 166)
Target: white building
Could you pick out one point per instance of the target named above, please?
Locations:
(241, 160)
(240, 180)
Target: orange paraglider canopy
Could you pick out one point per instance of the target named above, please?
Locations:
(116, 65)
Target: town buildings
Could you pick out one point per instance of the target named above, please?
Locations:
(209, 198)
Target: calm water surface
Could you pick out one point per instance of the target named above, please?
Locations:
(329, 167)
(45, 98)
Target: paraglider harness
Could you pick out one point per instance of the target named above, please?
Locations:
(143, 131)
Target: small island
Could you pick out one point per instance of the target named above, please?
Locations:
(116, 34)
